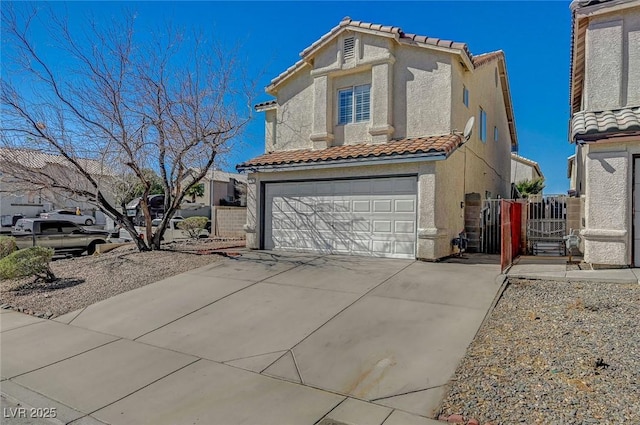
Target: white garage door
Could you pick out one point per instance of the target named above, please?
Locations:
(375, 217)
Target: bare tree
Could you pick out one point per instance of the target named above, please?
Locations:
(164, 102)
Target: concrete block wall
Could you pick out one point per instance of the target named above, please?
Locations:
(574, 215)
(230, 221)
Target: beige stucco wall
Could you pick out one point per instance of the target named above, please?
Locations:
(450, 206)
(608, 202)
(612, 58)
(294, 118)
(521, 171)
(410, 96)
(422, 92)
(437, 215)
(494, 176)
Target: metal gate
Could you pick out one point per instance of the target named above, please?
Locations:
(546, 225)
(490, 227)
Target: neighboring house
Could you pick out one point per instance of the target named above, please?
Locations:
(524, 169)
(18, 196)
(605, 126)
(364, 146)
(222, 188)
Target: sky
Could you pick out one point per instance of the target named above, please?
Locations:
(535, 36)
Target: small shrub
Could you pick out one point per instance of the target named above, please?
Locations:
(7, 245)
(28, 262)
(193, 226)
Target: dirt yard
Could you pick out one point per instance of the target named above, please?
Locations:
(86, 280)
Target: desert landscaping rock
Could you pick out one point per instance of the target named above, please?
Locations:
(554, 352)
(83, 281)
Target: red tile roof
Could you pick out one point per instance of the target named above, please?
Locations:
(485, 58)
(396, 32)
(444, 144)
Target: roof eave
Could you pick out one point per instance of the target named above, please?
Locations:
(604, 135)
(264, 108)
(349, 162)
(506, 94)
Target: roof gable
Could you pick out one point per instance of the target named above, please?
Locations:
(461, 49)
(396, 33)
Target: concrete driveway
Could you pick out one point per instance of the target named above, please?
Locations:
(264, 338)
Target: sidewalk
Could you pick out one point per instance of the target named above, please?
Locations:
(555, 268)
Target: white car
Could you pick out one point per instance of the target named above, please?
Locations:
(69, 215)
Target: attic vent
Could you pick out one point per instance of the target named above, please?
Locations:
(349, 48)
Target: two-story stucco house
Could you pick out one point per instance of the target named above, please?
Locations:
(605, 126)
(364, 145)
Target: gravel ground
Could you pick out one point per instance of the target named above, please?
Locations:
(554, 353)
(86, 280)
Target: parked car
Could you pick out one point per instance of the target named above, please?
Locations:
(68, 215)
(156, 209)
(61, 235)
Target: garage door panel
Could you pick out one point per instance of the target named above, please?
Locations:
(361, 206)
(382, 226)
(341, 205)
(374, 217)
(361, 225)
(404, 227)
(383, 206)
(382, 247)
(405, 205)
(405, 248)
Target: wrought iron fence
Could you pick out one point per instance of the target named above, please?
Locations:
(546, 225)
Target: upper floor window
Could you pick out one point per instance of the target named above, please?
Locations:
(354, 104)
(349, 48)
(465, 96)
(495, 134)
(483, 125)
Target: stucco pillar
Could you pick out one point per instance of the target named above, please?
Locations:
(607, 226)
(253, 212)
(321, 136)
(270, 123)
(429, 236)
(381, 129)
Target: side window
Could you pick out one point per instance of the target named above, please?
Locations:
(362, 96)
(67, 228)
(483, 125)
(345, 106)
(495, 134)
(354, 104)
(65, 212)
(465, 96)
(49, 228)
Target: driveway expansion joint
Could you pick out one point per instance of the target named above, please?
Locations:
(351, 304)
(76, 316)
(66, 358)
(217, 300)
(145, 386)
(373, 400)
